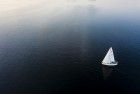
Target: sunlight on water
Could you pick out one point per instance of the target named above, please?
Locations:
(19, 7)
(13, 11)
(18, 13)
(7, 5)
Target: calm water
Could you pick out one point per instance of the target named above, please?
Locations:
(56, 46)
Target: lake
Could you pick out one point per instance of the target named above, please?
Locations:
(57, 46)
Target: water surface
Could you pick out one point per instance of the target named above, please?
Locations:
(56, 47)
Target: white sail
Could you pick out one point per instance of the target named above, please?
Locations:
(109, 58)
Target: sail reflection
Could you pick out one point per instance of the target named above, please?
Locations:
(107, 71)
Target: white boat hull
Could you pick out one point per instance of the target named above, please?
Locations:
(110, 64)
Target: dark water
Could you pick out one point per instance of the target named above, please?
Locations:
(57, 47)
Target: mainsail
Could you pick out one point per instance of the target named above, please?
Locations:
(109, 58)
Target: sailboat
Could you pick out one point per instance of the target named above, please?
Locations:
(109, 59)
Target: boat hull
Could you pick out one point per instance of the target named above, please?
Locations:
(115, 64)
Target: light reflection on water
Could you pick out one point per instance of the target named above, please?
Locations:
(107, 71)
